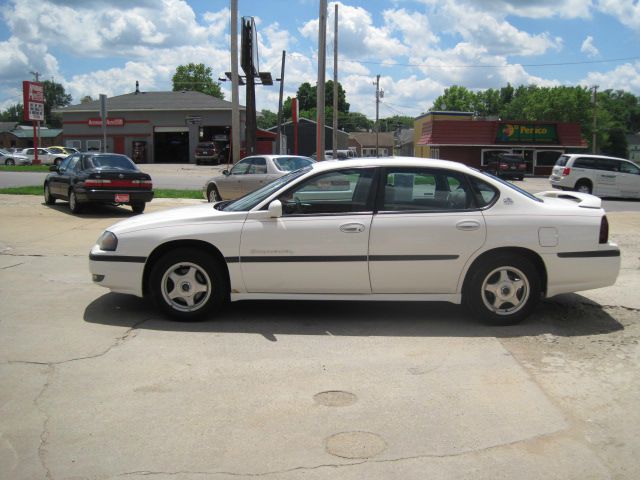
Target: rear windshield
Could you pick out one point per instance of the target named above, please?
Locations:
(289, 164)
(562, 160)
(118, 162)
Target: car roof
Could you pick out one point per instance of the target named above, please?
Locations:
(591, 155)
(392, 162)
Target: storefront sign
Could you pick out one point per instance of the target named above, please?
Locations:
(526, 133)
(33, 97)
(111, 122)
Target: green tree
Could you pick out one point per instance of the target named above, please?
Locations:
(455, 99)
(267, 119)
(196, 77)
(86, 99)
(15, 113)
(54, 97)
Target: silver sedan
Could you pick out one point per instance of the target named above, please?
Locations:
(10, 158)
(251, 173)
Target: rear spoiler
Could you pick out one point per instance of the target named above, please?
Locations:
(583, 200)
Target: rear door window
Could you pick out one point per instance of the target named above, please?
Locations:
(584, 163)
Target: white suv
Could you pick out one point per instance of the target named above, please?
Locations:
(596, 174)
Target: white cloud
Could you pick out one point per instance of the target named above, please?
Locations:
(589, 48)
(626, 12)
(567, 9)
(624, 77)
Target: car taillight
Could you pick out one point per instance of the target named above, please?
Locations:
(96, 182)
(566, 171)
(604, 230)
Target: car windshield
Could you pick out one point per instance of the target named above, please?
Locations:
(512, 186)
(246, 203)
(118, 162)
(289, 164)
(4, 152)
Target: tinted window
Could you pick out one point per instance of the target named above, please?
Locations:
(425, 190)
(584, 163)
(117, 162)
(562, 161)
(330, 192)
(65, 163)
(608, 165)
(289, 164)
(628, 167)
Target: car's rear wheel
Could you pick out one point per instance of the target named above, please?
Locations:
(74, 205)
(502, 289)
(9, 161)
(213, 194)
(187, 284)
(138, 207)
(48, 198)
(583, 186)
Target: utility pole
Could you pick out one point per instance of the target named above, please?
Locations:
(334, 138)
(377, 84)
(322, 59)
(235, 103)
(36, 128)
(279, 137)
(594, 100)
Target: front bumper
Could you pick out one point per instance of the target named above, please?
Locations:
(118, 273)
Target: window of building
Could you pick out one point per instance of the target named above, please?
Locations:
(489, 156)
(94, 145)
(547, 158)
(74, 144)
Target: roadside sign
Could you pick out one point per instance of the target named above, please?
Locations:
(33, 97)
(193, 120)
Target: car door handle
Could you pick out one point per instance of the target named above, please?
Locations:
(468, 225)
(352, 228)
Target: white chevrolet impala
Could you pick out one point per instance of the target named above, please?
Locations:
(377, 229)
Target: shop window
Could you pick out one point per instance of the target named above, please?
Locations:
(489, 156)
(94, 145)
(547, 158)
(74, 144)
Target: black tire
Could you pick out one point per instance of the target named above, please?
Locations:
(213, 195)
(502, 289)
(9, 161)
(583, 186)
(196, 270)
(74, 205)
(48, 198)
(138, 207)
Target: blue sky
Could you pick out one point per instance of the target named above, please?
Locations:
(419, 47)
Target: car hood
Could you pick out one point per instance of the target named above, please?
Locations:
(204, 213)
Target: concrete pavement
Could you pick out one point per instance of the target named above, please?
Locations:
(97, 385)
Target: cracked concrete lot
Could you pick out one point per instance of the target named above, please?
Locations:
(95, 385)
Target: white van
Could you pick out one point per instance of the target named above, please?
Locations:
(596, 174)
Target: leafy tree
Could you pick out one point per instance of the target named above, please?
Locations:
(391, 124)
(455, 98)
(13, 114)
(267, 119)
(54, 97)
(196, 77)
(86, 99)
(615, 143)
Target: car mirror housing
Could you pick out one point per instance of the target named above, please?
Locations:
(225, 173)
(275, 209)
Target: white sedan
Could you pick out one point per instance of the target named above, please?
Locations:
(375, 229)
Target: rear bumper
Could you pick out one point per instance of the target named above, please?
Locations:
(108, 196)
(576, 271)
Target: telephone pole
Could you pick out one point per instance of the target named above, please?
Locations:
(322, 58)
(334, 138)
(377, 84)
(594, 100)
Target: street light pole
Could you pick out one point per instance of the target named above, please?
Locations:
(594, 100)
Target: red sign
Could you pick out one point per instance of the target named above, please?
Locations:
(111, 122)
(33, 98)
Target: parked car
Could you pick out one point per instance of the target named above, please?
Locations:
(84, 178)
(251, 173)
(45, 156)
(56, 150)
(381, 229)
(207, 152)
(597, 174)
(507, 165)
(11, 158)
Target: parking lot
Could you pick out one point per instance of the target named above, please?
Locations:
(96, 385)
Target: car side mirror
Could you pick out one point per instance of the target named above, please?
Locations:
(53, 168)
(225, 173)
(275, 209)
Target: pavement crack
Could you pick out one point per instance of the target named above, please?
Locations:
(11, 266)
(44, 434)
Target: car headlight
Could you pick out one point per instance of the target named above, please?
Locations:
(107, 241)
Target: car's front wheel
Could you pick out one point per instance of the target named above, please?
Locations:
(502, 289)
(48, 198)
(187, 284)
(213, 194)
(9, 161)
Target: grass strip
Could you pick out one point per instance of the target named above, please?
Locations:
(159, 193)
(24, 168)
